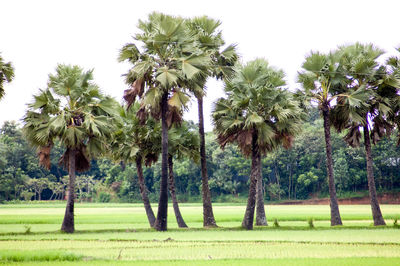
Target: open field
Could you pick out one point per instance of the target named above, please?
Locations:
(119, 234)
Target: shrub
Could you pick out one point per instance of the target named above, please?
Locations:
(276, 223)
(27, 229)
(311, 223)
(104, 197)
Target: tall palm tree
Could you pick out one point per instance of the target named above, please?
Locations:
(73, 111)
(183, 143)
(320, 76)
(137, 143)
(6, 74)
(209, 39)
(159, 77)
(375, 83)
(259, 116)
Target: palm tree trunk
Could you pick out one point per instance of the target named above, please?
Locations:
(161, 221)
(260, 211)
(178, 215)
(255, 174)
(376, 210)
(208, 215)
(143, 192)
(68, 222)
(335, 214)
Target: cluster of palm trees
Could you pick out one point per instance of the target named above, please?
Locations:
(354, 92)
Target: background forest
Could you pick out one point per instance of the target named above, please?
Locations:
(297, 173)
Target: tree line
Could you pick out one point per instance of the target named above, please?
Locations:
(298, 173)
(351, 89)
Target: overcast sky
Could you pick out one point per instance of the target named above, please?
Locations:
(37, 35)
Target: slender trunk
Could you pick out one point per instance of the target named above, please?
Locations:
(335, 214)
(161, 221)
(68, 222)
(40, 195)
(254, 176)
(143, 192)
(178, 215)
(260, 211)
(376, 210)
(208, 215)
(291, 181)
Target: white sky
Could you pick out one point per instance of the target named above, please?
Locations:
(36, 35)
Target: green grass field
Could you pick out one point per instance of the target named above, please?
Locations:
(119, 234)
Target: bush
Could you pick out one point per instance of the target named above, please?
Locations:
(104, 197)
(276, 223)
(27, 229)
(311, 223)
(27, 195)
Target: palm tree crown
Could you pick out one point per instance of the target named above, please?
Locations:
(257, 102)
(169, 60)
(6, 74)
(72, 110)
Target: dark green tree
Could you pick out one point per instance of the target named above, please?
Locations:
(183, 143)
(159, 76)
(139, 143)
(320, 76)
(6, 74)
(73, 111)
(209, 39)
(258, 115)
(378, 87)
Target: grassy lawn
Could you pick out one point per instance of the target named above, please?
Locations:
(120, 234)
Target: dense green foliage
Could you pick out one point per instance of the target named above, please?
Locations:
(6, 74)
(297, 173)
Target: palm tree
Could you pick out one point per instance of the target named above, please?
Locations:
(204, 30)
(183, 143)
(134, 142)
(376, 85)
(320, 78)
(73, 111)
(159, 77)
(259, 116)
(6, 74)
(393, 66)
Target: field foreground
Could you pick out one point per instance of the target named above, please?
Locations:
(119, 234)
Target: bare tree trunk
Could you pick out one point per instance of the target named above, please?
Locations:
(68, 225)
(335, 214)
(178, 215)
(290, 180)
(376, 210)
(143, 192)
(255, 174)
(161, 222)
(260, 211)
(208, 215)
